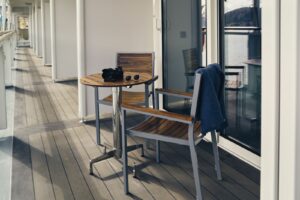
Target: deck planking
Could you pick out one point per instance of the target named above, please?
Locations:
(52, 151)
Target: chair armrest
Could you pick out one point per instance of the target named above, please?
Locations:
(152, 80)
(158, 113)
(175, 93)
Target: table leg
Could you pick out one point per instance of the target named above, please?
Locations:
(97, 116)
(116, 121)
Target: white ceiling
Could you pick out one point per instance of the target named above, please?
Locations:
(20, 6)
(19, 3)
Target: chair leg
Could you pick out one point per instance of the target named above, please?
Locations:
(124, 154)
(157, 151)
(147, 141)
(216, 155)
(196, 171)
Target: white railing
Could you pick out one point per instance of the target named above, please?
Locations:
(7, 47)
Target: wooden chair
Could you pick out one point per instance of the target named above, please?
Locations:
(140, 63)
(170, 127)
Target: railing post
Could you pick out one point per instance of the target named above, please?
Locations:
(8, 62)
(3, 122)
(3, 5)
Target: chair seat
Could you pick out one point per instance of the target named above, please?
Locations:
(165, 129)
(128, 97)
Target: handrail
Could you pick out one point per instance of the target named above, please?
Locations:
(5, 34)
(6, 63)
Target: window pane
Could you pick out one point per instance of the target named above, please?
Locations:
(241, 13)
(184, 47)
(242, 51)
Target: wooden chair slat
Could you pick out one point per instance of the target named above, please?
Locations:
(129, 97)
(166, 127)
(136, 62)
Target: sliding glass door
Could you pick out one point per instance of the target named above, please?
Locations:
(241, 60)
(184, 47)
(239, 35)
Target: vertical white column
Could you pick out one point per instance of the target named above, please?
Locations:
(157, 42)
(270, 99)
(63, 39)
(7, 62)
(3, 122)
(30, 26)
(53, 38)
(40, 31)
(33, 27)
(8, 17)
(43, 30)
(46, 30)
(212, 30)
(36, 32)
(3, 14)
(289, 143)
(48, 57)
(81, 64)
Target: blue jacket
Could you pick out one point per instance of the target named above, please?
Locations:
(211, 109)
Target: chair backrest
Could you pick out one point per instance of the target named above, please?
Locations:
(191, 62)
(196, 95)
(136, 62)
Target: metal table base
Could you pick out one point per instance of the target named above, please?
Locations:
(116, 119)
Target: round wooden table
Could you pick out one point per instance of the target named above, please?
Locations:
(96, 81)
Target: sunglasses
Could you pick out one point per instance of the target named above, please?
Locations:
(135, 77)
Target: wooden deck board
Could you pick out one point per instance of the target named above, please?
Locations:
(58, 175)
(41, 178)
(97, 186)
(168, 181)
(137, 188)
(103, 170)
(52, 152)
(75, 175)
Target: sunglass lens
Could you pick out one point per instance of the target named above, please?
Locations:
(128, 78)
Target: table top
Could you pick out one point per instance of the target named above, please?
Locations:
(96, 80)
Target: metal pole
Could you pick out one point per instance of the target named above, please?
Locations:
(97, 116)
(116, 97)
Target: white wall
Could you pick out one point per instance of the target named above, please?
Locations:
(63, 36)
(110, 27)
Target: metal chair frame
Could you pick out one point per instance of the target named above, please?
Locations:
(192, 142)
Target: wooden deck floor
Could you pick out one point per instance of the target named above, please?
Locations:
(51, 152)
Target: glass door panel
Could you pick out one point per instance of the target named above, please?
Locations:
(242, 65)
(184, 47)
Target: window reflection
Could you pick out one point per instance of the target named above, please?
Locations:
(242, 51)
(184, 47)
